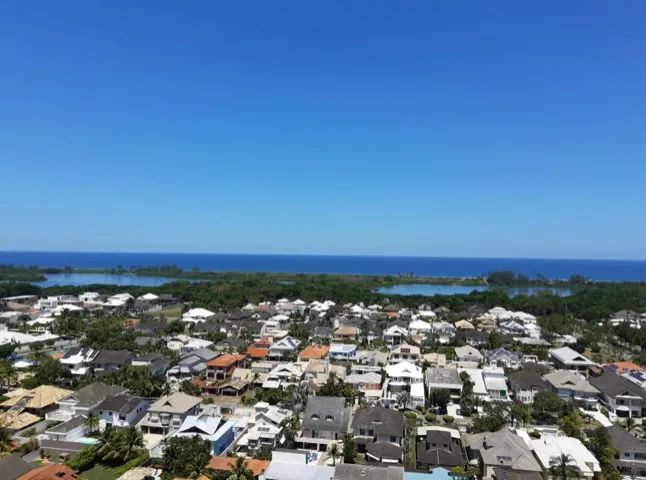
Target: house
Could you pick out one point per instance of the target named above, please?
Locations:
(344, 333)
(343, 351)
(525, 384)
(439, 447)
(192, 365)
(317, 372)
(565, 358)
(434, 359)
(474, 338)
(111, 360)
(78, 359)
(571, 386)
(620, 396)
(122, 410)
(503, 453)
(225, 464)
(513, 328)
(350, 471)
(209, 426)
(550, 446)
(468, 353)
(284, 374)
(325, 420)
(496, 383)
(221, 367)
(167, 414)
(68, 431)
(404, 353)
(631, 452)
(256, 353)
(395, 335)
(444, 331)
(403, 377)
(156, 363)
(420, 327)
(464, 325)
(316, 352)
(197, 315)
(379, 432)
(620, 368)
(296, 464)
(80, 403)
(284, 348)
(444, 379)
(266, 428)
(501, 357)
(369, 381)
(37, 401)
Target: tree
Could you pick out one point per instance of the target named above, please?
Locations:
(290, 427)
(563, 467)
(6, 349)
(547, 406)
(48, 371)
(179, 449)
(336, 387)
(571, 424)
(190, 388)
(630, 424)
(240, 471)
(334, 453)
(467, 400)
(520, 413)
(349, 449)
(440, 397)
(263, 454)
(8, 374)
(92, 422)
(129, 444)
(600, 443)
(5, 440)
(403, 398)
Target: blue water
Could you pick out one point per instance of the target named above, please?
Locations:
(78, 279)
(609, 270)
(430, 290)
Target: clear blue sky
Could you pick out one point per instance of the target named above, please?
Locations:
(442, 128)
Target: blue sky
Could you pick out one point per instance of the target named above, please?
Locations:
(493, 128)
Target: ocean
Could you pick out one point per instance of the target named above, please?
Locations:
(601, 270)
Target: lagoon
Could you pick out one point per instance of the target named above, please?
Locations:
(430, 289)
(79, 279)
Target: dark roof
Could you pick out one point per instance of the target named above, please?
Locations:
(117, 357)
(384, 421)
(57, 448)
(439, 449)
(328, 414)
(385, 450)
(525, 380)
(119, 403)
(69, 425)
(613, 385)
(13, 467)
(624, 441)
(93, 393)
(239, 316)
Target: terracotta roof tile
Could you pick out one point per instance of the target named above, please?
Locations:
(226, 360)
(224, 464)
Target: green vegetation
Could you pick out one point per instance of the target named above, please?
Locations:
(9, 273)
(185, 457)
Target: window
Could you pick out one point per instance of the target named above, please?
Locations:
(393, 439)
(329, 418)
(314, 416)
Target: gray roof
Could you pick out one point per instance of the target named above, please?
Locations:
(439, 449)
(504, 449)
(93, 393)
(525, 380)
(565, 379)
(69, 425)
(328, 414)
(384, 421)
(13, 467)
(348, 471)
(623, 441)
(123, 404)
(614, 385)
(443, 376)
(117, 357)
(385, 450)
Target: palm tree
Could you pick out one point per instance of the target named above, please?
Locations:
(129, 443)
(403, 398)
(5, 440)
(562, 467)
(630, 424)
(334, 453)
(105, 445)
(240, 471)
(92, 422)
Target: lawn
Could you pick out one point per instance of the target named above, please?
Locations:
(99, 472)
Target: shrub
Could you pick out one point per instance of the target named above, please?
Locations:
(448, 419)
(410, 415)
(84, 460)
(430, 417)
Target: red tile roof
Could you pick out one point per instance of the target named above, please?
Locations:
(255, 352)
(227, 360)
(224, 464)
(314, 351)
(50, 472)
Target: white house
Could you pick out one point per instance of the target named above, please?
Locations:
(121, 410)
(197, 315)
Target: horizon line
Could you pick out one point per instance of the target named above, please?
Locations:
(366, 255)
